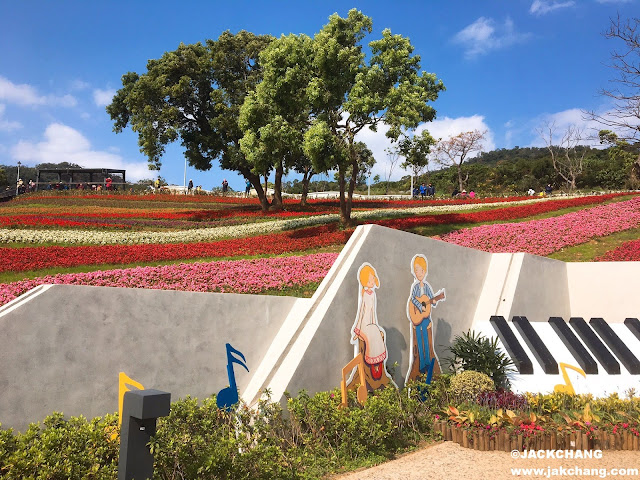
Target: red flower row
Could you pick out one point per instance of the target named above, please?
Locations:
(288, 201)
(51, 219)
(35, 258)
(498, 214)
(627, 252)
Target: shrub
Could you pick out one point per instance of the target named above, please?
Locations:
(59, 448)
(466, 386)
(480, 354)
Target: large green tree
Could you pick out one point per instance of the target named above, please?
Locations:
(193, 95)
(348, 94)
(276, 115)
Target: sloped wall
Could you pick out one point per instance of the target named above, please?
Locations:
(63, 350)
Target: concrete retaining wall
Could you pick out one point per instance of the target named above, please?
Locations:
(63, 350)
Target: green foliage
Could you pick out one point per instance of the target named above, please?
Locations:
(390, 421)
(480, 354)
(466, 386)
(346, 95)
(197, 440)
(194, 94)
(3, 177)
(415, 151)
(59, 448)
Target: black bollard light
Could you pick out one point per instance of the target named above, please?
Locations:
(140, 410)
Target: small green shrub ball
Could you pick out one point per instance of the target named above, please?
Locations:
(467, 385)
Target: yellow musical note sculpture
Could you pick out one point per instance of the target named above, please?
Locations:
(124, 382)
(567, 387)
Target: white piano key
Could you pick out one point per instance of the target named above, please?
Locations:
(599, 385)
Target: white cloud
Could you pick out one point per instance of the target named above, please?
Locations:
(28, 96)
(7, 125)
(80, 85)
(574, 117)
(542, 7)
(449, 127)
(614, 1)
(485, 35)
(65, 144)
(102, 98)
(444, 128)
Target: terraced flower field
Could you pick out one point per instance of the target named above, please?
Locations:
(206, 243)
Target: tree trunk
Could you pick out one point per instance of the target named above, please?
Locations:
(352, 186)
(306, 179)
(460, 182)
(255, 181)
(277, 189)
(345, 216)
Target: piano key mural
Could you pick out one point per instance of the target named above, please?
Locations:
(592, 356)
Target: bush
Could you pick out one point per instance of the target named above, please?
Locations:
(74, 448)
(480, 354)
(466, 386)
(197, 440)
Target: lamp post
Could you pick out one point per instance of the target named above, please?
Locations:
(18, 177)
(185, 175)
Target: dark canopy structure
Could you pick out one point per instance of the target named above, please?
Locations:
(71, 175)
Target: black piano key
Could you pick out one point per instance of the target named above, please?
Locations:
(510, 342)
(591, 340)
(616, 345)
(539, 349)
(581, 354)
(634, 325)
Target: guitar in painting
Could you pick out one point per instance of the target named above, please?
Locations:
(418, 316)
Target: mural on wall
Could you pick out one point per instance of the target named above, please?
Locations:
(422, 355)
(369, 365)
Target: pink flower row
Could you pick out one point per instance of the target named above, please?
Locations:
(542, 237)
(237, 276)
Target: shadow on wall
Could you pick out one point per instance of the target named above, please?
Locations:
(443, 340)
(397, 345)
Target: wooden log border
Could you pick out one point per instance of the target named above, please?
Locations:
(484, 440)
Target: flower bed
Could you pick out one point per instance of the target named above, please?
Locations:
(479, 437)
(541, 237)
(507, 213)
(34, 258)
(627, 252)
(52, 221)
(237, 276)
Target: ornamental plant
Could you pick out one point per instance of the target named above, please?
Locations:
(467, 385)
(471, 351)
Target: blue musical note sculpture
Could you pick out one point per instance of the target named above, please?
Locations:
(227, 397)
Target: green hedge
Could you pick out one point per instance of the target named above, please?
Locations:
(311, 438)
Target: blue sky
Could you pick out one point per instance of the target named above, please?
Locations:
(509, 66)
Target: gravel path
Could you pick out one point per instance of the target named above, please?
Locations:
(447, 460)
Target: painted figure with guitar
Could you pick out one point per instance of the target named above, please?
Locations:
(419, 305)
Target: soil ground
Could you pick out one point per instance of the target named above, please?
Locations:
(450, 461)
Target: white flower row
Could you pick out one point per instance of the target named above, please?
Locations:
(215, 233)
